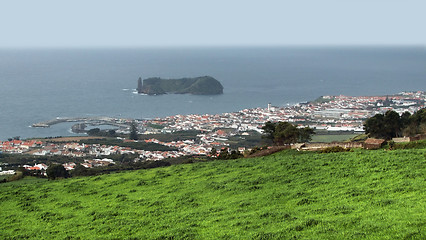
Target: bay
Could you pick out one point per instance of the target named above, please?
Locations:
(42, 84)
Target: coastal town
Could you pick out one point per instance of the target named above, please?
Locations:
(328, 113)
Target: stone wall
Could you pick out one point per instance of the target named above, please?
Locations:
(320, 146)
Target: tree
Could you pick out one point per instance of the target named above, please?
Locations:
(285, 133)
(393, 125)
(133, 131)
(235, 154)
(305, 134)
(225, 155)
(375, 126)
(80, 170)
(390, 124)
(94, 132)
(213, 152)
(14, 138)
(56, 171)
(418, 121)
(269, 130)
(405, 119)
(24, 171)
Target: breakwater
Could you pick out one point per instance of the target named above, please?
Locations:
(122, 123)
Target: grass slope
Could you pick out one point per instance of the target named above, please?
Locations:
(332, 138)
(351, 195)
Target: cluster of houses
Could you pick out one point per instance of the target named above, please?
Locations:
(332, 113)
(6, 172)
(19, 146)
(88, 163)
(41, 167)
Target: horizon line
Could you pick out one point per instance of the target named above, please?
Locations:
(306, 46)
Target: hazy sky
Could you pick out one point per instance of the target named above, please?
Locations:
(140, 23)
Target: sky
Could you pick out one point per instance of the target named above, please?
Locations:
(189, 23)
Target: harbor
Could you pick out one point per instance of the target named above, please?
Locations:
(82, 121)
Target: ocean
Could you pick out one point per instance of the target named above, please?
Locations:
(42, 84)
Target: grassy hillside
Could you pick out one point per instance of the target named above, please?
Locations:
(352, 195)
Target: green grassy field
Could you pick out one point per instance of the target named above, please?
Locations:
(4, 177)
(289, 195)
(332, 138)
(324, 136)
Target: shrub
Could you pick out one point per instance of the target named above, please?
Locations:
(335, 149)
(56, 171)
(410, 145)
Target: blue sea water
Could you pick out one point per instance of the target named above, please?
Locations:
(42, 84)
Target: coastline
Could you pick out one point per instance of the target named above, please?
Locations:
(331, 113)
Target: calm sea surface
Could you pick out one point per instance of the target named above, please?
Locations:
(39, 85)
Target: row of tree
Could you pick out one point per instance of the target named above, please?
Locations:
(391, 124)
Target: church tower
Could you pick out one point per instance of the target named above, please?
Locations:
(139, 89)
